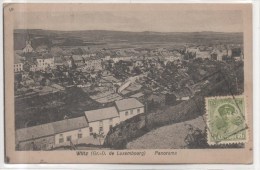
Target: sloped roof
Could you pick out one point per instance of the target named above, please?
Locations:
(77, 57)
(34, 132)
(49, 129)
(137, 95)
(101, 114)
(69, 124)
(126, 104)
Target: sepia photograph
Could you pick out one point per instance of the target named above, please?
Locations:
(142, 82)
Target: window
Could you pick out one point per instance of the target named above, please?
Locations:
(61, 140)
(131, 112)
(61, 135)
(138, 110)
(91, 130)
(100, 123)
(79, 135)
(68, 138)
(100, 129)
(126, 113)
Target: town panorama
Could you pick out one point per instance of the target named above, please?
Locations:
(120, 90)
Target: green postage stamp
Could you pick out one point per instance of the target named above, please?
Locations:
(226, 120)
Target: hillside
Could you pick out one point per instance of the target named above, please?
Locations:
(173, 136)
(83, 38)
(187, 110)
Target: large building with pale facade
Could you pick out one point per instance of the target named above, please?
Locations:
(18, 64)
(128, 108)
(102, 120)
(73, 131)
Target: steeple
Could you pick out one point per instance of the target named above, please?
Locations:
(28, 39)
(28, 48)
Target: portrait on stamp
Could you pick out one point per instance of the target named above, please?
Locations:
(226, 117)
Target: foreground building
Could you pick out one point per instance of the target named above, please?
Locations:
(50, 135)
(39, 137)
(69, 132)
(102, 120)
(128, 108)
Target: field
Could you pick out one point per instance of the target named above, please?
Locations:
(173, 136)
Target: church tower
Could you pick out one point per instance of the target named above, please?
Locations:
(28, 47)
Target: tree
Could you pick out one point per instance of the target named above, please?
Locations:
(170, 99)
(18, 77)
(43, 82)
(195, 138)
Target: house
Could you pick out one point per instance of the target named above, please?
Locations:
(102, 120)
(218, 54)
(32, 66)
(192, 50)
(45, 61)
(128, 108)
(42, 49)
(107, 57)
(70, 130)
(93, 64)
(58, 61)
(117, 59)
(38, 137)
(77, 59)
(28, 48)
(18, 64)
(203, 54)
(50, 135)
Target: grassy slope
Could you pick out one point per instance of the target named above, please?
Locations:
(167, 137)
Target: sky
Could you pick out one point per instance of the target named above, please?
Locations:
(137, 21)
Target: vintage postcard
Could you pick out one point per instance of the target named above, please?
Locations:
(128, 83)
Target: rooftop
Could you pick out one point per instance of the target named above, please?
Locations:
(70, 124)
(34, 132)
(127, 104)
(101, 114)
(77, 57)
(137, 95)
(49, 129)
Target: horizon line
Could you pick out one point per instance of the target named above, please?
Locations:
(125, 30)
